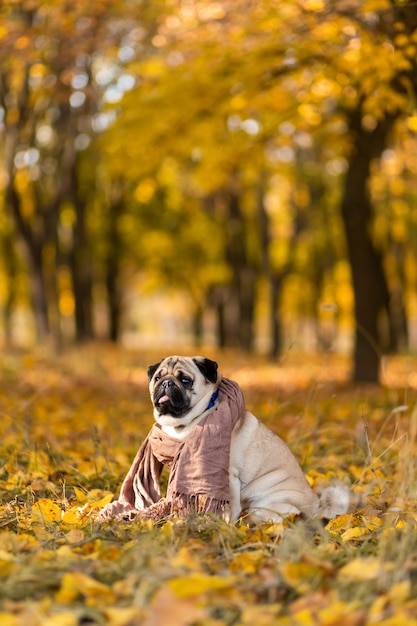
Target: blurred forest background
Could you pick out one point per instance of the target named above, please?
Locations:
(231, 173)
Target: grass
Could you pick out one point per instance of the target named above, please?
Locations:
(70, 425)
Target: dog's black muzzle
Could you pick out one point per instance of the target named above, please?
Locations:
(170, 399)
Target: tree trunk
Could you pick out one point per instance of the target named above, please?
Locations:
(217, 300)
(35, 266)
(369, 283)
(247, 278)
(275, 285)
(81, 266)
(11, 266)
(198, 327)
(221, 333)
(31, 238)
(241, 305)
(397, 335)
(80, 263)
(276, 276)
(113, 262)
(113, 302)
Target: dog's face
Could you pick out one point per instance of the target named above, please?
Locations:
(181, 388)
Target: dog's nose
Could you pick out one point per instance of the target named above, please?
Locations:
(167, 383)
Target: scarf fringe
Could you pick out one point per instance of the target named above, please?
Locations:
(181, 505)
(186, 504)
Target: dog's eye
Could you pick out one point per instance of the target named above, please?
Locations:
(187, 382)
(157, 378)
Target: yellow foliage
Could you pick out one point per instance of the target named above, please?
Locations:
(247, 562)
(375, 5)
(121, 616)
(302, 575)
(196, 584)
(203, 570)
(6, 563)
(238, 102)
(353, 533)
(145, 190)
(22, 42)
(187, 557)
(61, 619)
(38, 464)
(399, 592)
(97, 499)
(75, 535)
(402, 40)
(75, 517)
(8, 619)
(412, 123)
(167, 608)
(46, 510)
(10, 542)
(364, 569)
(314, 5)
(74, 584)
(310, 114)
(259, 615)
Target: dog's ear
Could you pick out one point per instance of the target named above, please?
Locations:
(152, 369)
(207, 367)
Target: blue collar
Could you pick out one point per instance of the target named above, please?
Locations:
(213, 400)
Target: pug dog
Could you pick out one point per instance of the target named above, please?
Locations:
(265, 479)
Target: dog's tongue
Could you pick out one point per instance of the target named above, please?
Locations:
(163, 399)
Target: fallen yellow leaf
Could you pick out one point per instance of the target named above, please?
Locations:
(362, 569)
(61, 619)
(300, 575)
(69, 589)
(341, 522)
(6, 563)
(168, 608)
(8, 619)
(127, 586)
(399, 592)
(124, 616)
(275, 530)
(97, 495)
(47, 510)
(259, 615)
(17, 543)
(75, 517)
(74, 584)
(195, 584)
(80, 495)
(305, 618)
(341, 613)
(353, 533)
(97, 504)
(75, 535)
(248, 562)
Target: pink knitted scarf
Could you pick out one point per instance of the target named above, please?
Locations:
(199, 476)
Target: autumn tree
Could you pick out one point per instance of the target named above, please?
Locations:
(264, 101)
(59, 62)
(383, 88)
(243, 140)
(225, 133)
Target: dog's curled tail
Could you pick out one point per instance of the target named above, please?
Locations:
(334, 501)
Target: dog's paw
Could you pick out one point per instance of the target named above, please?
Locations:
(116, 510)
(334, 501)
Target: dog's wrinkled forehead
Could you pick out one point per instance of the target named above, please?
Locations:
(178, 365)
(175, 366)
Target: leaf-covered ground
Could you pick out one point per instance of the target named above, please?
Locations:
(70, 426)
